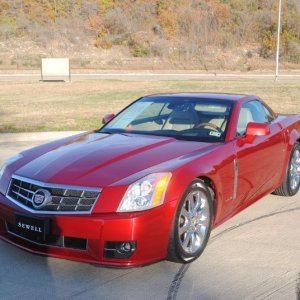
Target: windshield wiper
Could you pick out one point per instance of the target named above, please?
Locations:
(105, 131)
(114, 132)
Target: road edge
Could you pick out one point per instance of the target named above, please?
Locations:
(35, 136)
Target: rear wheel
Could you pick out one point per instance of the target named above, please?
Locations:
(192, 224)
(291, 183)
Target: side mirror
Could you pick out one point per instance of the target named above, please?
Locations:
(252, 131)
(257, 129)
(107, 118)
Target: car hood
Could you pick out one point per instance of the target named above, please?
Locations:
(97, 160)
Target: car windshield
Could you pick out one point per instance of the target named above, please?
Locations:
(185, 118)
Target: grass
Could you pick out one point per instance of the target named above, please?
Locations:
(33, 106)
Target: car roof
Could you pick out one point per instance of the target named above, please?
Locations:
(215, 96)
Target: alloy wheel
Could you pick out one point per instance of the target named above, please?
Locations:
(194, 221)
(295, 170)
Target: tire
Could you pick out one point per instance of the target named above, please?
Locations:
(291, 182)
(192, 224)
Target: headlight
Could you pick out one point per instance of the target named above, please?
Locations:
(10, 161)
(145, 193)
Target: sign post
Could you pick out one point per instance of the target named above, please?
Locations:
(278, 41)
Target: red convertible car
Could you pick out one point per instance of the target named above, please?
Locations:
(152, 182)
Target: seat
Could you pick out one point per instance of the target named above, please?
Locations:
(245, 117)
(181, 120)
(220, 122)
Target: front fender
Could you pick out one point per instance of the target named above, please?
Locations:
(292, 137)
(217, 167)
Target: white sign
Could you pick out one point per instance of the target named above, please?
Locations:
(55, 69)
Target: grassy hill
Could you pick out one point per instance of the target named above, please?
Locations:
(149, 34)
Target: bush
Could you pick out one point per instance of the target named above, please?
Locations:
(293, 52)
(140, 50)
(103, 42)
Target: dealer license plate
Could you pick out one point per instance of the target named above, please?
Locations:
(32, 228)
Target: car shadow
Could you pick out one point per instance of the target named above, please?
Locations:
(23, 274)
(298, 288)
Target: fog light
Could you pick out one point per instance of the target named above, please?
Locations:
(123, 249)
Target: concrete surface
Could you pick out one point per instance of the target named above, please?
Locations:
(255, 255)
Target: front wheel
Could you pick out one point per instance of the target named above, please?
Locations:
(192, 224)
(291, 183)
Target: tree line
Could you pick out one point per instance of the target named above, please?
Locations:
(185, 29)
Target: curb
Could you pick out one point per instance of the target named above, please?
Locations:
(35, 136)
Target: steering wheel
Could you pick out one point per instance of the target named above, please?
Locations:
(211, 125)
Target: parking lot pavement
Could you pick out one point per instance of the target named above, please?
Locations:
(255, 255)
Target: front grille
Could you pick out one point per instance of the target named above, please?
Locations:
(62, 199)
(53, 240)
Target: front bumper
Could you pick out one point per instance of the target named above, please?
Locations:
(84, 237)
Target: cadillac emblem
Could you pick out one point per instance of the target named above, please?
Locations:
(40, 198)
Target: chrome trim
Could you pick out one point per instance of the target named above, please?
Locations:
(52, 204)
(55, 186)
(26, 190)
(235, 181)
(24, 197)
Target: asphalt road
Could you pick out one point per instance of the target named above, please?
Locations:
(150, 76)
(255, 255)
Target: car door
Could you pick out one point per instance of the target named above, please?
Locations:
(258, 163)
